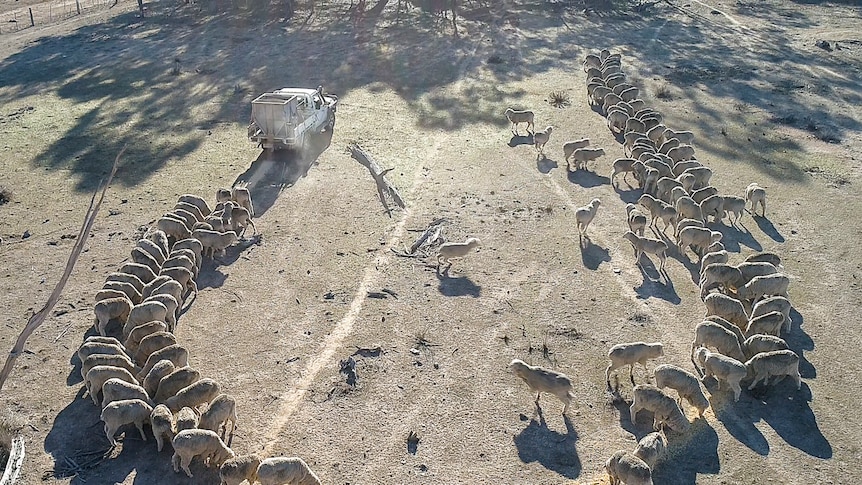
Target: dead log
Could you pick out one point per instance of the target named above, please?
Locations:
(379, 175)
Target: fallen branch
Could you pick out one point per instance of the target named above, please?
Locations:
(39, 317)
(383, 185)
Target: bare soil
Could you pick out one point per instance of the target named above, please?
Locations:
(321, 282)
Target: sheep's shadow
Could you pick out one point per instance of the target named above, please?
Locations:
(586, 178)
(545, 164)
(210, 276)
(236, 251)
(736, 417)
(456, 286)
(553, 450)
(733, 238)
(700, 449)
(799, 341)
(655, 288)
(768, 228)
(592, 255)
(520, 140)
(629, 196)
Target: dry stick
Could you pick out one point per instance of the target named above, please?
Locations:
(39, 317)
(383, 185)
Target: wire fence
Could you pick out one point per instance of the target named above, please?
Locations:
(47, 13)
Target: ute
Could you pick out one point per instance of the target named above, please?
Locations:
(290, 117)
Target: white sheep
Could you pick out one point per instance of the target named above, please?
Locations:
(637, 220)
(652, 447)
(687, 208)
(282, 470)
(686, 222)
(197, 201)
(194, 245)
(752, 269)
(152, 343)
(162, 369)
(240, 218)
(143, 313)
(450, 250)
(162, 422)
(712, 206)
(622, 165)
(700, 195)
(698, 237)
(542, 137)
(173, 227)
(102, 340)
(686, 137)
(629, 354)
(734, 205)
(711, 334)
(153, 249)
(702, 176)
(89, 348)
(187, 418)
(192, 209)
(220, 412)
(126, 288)
(763, 257)
(171, 305)
(99, 374)
(719, 275)
(585, 215)
(729, 326)
(172, 288)
(125, 278)
(177, 380)
(767, 324)
(773, 304)
(143, 272)
(184, 277)
(616, 119)
(724, 368)
(158, 237)
(242, 196)
(647, 245)
(541, 380)
(624, 466)
(686, 384)
(139, 332)
(726, 307)
(569, 147)
(213, 241)
(182, 258)
(584, 155)
(140, 256)
(778, 363)
(110, 308)
(190, 443)
(120, 413)
(664, 408)
(759, 343)
(93, 360)
(174, 353)
(237, 469)
(118, 390)
(194, 395)
(767, 285)
(517, 117)
(658, 210)
(756, 195)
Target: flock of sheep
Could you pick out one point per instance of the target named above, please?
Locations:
(747, 306)
(140, 374)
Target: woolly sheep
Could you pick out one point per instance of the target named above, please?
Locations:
(768, 285)
(184, 277)
(97, 376)
(664, 186)
(102, 340)
(726, 307)
(172, 288)
(125, 278)
(140, 256)
(160, 370)
(684, 383)
(143, 272)
(663, 407)
(540, 380)
(773, 304)
(196, 394)
(759, 343)
(153, 342)
(108, 309)
(222, 195)
(160, 239)
(700, 195)
(183, 258)
(162, 421)
(174, 353)
(592, 60)
(194, 245)
(542, 137)
(712, 206)
(756, 195)
(171, 305)
(682, 224)
(569, 147)
(676, 193)
(771, 258)
(658, 210)
(622, 165)
(127, 289)
(120, 413)
(89, 348)
(585, 215)
(235, 470)
(652, 447)
(190, 443)
(173, 227)
(517, 117)
(729, 326)
(634, 124)
(686, 137)
(687, 208)
(283, 470)
(240, 218)
(636, 219)
(629, 354)
(702, 175)
(213, 241)
(710, 334)
(583, 155)
(152, 285)
(143, 313)
(177, 380)
(107, 359)
(733, 205)
(617, 120)
(450, 250)
(698, 237)
(117, 390)
(723, 368)
(220, 411)
(767, 324)
(106, 294)
(647, 245)
(191, 209)
(197, 201)
(624, 466)
(680, 153)
(687, 180)
(139, 332)
(719, 275)
(750, 270)
(152, 249)
(778, 363)
(187, 418)
(679, 168)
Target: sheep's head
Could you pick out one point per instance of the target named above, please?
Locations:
(595, 202)
(473, 242)
(517, 365)
(700, 354)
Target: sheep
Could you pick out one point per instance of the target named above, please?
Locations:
(159, 371)
(140, 256)
(240, 218)
(220, 411)
(687, 208)
(676, 193)
(778, 363)
(684, 383)
(194, 245)
(153, 249)
(734, 205)
(187, 418)
(585, 215)
(569, 147)
(172, 288)
(542, 137)
(724, 368)
(682, 224)
(663, 407)
(680, 153)
(119, 413)
(184, 277)
(710, 334)
(617, 121)
(592, 60)
(97, 376)
(686, 137)
(117, 390)
(719, 275)
(658, 210)
(750, 270)
(222, 195)
(143, 272)
(647, 245)
(702, 176)
(191, 209)
(174, 353)
(698, 237)
(171, 305)
(106, 294)
(726, 307)
(190, 443)
(767, 285)
(89, 348)
(729, 326)
(133, 294)
(152, 285)
(198, 393)
(282, 470)
(145, 312)
(652, 447)
(540, 380)
(175, 228)
(630, 94)
(182, 258)
(235, 470)
(450, 250)
(584, 155)
(139, 332)
(108, 309)
(630, 354)
(101, 339)
(668, 146)
(196, 201)
(178, 379)
(700, 195)
(756, 195)
(679, 168)
(159, 238)
(622, 165)
(650, 180)
(767, 324)
(624, 466)
(773, 304)
(762, 257)
(634, 124)
(636, 219)
(93, 360)
(213, 241)
(759, 343)
(712, 206)
(153, 342)
(517, 117)
(598, 95)
(664, 186)
(162, 421)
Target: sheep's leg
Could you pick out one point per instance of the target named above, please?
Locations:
(632, 373)
(737, 390)
(159, 442)
(175, 461)
(109, 432)
(612, 367)
(633, 411)
(140, 426)
(538, 395)
(185, 466)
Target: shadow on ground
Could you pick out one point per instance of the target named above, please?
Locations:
(553, 450)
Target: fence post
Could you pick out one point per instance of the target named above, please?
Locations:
(78, 6)
(32, 23)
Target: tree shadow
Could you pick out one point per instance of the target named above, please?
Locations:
(545, 164)
(553, 450)
(768, 228)
(521, 140)
(457, 286)
(586, 179)
(592, 255)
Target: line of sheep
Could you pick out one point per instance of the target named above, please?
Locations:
(140, 371)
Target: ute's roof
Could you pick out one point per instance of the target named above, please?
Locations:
(304, 91)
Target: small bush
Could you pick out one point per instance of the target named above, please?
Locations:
(662, 91)
(5, 195)
(559, 99)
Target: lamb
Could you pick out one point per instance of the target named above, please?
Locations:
(684, 383)
(726, 307)
(723, 368)
(647, 245)
(117, 390)
(105, 310)
(773, 304)
(759, 343)
(281, 470)
(171, 305)
(145, 312)
(771, 258)
(196, 201)
(584, 155)
(187, 418)
(735, 205)
(174, 353)
(198, 393)
(624, 466)
(140, 256)
(153, 249)
(213, 241)
(99, 374)
(162, 421)
(143, 272)
(778, 363)
(658, 210)
(151, 382)
(450, 250)
(621, 165)
(542, 137)
(220, 411)
(177, 380)
(240, 218)
(190, 443)
(183, 277)
(711, 334)
(636, 219)
(756, 195)
(698, 237)
(139, 332)
(107, 359)
(569, 147)
(175, 228)
(235, 470)
(127, 289)
(766, 324)
(517, 117)
(630, 354)
(585, 215)
(541, 380)
(652, 447)
(768, 285)
(663, 407)
(119, 413)
(152, 343)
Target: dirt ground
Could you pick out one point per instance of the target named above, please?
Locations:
(322, 281)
